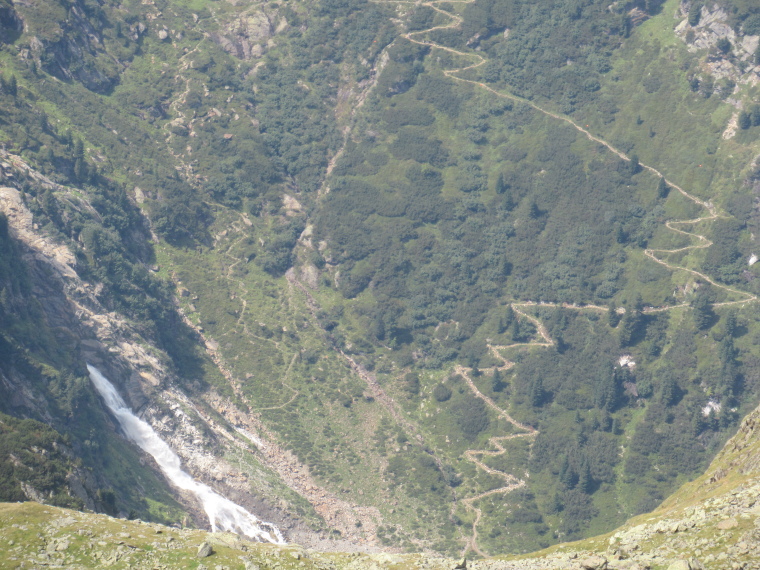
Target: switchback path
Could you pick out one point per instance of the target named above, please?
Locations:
(526, 431)
(659, 256)
(712, 213)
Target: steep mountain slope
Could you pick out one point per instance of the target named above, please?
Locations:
(428, 276)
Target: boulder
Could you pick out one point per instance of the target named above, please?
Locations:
(594, 563)
(205, 550)
(691, 564)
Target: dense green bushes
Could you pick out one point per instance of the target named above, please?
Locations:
(534, 61)
(33, 454)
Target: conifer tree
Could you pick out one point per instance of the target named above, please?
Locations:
(755, 115)
(516, 330)
(730, 324)
(80, 170)
(702, 309)
(613, 318)
(668, 390)
(585, 481)
(695, 13)
(537, 394)
(662, 188)
(78, 150)
(501, 184)
(634, 164)
(745, 120)
(497, 382)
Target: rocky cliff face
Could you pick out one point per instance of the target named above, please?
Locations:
(249, 35)
(73, 49)
(108, 340)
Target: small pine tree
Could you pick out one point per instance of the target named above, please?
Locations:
(605, 391)
(613, 318)
(497, 382)
(727, 350)
(564, 467)
(107, 499)
(78, 150)
(695, 13)
(516, 330)
(412, 383)
(668, 391)
(508, 200)
(724, 45)
(625, 25)
(702, 310)
(585, 481)
(635, 165)
(745, 120)
(567, 475)
(12, 86)
(537, 394)
(377, 327)
(80, 170)
(698, 423)
(755, 115)
(730, 324)
(627, 329)
(620, 236)
(505, 321)
(662, 188)
(631, 322)
(441, 393)
(533, 210)
(555, 504)
(501, 184)
(473, 363)
(651, 6)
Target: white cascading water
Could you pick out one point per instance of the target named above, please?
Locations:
(222, 513)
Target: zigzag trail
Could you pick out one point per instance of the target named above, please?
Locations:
(529, 432)
(656, 255)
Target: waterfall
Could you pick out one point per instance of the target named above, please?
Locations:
(222, 513)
